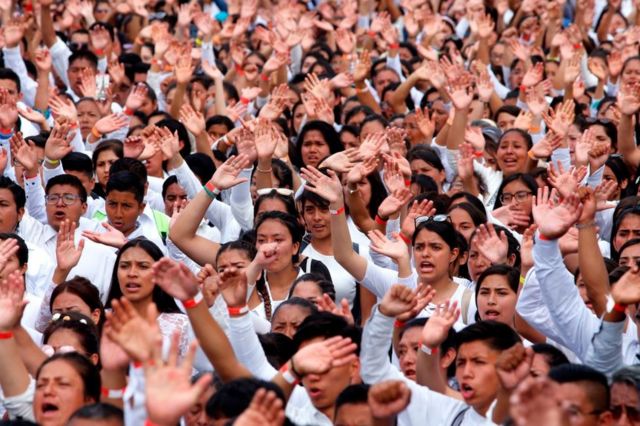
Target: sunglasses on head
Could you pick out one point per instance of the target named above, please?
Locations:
(435, 218)
(282, 191)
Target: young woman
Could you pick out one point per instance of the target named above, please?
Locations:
(497, 294)
(289, 315)
(316, 141)
(516, 193)
(277, 264)
(466, 218)
(312, 287)
(105, 154)
(133, 279)
(71, 332)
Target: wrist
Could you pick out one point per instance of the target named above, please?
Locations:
(429, 349)
(194, 301)
(620, 308)
(211, 190)
(237, 311)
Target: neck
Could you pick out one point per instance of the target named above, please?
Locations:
(443, 286)
(282, 279)
(323, 246)
(141, 306)
(328, 411)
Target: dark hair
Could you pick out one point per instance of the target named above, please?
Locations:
(82, 288)
(164, 302)
(506, 109)
(593, 382)
(126, 182)
(277, 347)
(81, 325)
(132, 165)
(201, 165)
(620, 171)
(471, 199)
(478, 217)
(220, 119)
(444, 229)
(68, 180)
(509, 272)
(378, 193)
(552, 355)
(86, 370)
(167, 183)
(248, 249)
(426, 183)
(233, 397)
(98, 411)
(84, 54)
(313, 198)
(353, 394)
(513, 248)
(325, 286)
(289, 221)
(627, 206)
(632, 242)
(19, 196)
(9, 74)
(183, 135)
(526, 179)
(426, 154)
(289, 203)
(23, 249)
(496, 335)
(329, 135)
(327, 325)
(78, 162)
(526, 136)
(629, 375)
(296, 301)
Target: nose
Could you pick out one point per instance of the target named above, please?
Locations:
(60, 202)
(492, 298)
(48, 389)
(467, 371)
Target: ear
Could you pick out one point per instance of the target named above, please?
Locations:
(142, 206)
(354, 371)
(84, 208)
(624, 184)
(447, 358)
(511, 260)
(454, 255)
(295, 248)
(20, 213)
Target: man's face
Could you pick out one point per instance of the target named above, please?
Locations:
(408, 351)
(579, 408)
(476, 373)
(123, 210)
(74, 73)
(353, 415)
(11, 87)
(317, 219)
(323, 389)
(67, 206)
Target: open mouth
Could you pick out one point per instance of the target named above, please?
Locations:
(132, 287)
(59, 215)
(426, 267)
(467, 391)
(491, 314)
(48, 407)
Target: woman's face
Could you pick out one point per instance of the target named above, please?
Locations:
(496, 301)
(103, 164)
(298, 116)
(272, 231)
(432, 256)
(232, 259)
(421, 167)
(439, 114)
(476, 263)
(59, 393)
(462, 222)
(314, 148)
(600, 134)
(88, 115)
(629, 229)
(69, 302)
(308, 290)
(630, 254)
(631, 73)
(512, 154)
(135, 275)
(609, 176)
(517, 74)
(349, 140)
(505, 121)
(272, 204)
(370, 128)
(518, 194)
(287, 319)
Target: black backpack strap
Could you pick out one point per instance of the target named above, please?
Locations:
(458, 419)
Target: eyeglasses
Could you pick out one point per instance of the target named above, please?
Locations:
(633, 414)
(67, 199)
(519, 196)
(282, 191)
(436, 218)
(594, 120)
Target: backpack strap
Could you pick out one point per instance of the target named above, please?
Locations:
(162, 224)
(459, 418)
(466, 300)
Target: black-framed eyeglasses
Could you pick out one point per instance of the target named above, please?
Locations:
(435, 218)
(520, 196)
(633, 414)
(67, 199)
(595, 120)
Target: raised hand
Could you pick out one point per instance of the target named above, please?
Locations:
(536, 402)
(24, 153)
(492, 245)
(134, 333)
(12, 302)
(526, 249)
(628, 100)
(327, 187)
(342, 161)
(111, 237)
(325, 304)
(266, 409)
(460, 94)
(192, 120)
(511, 215)
(560, 120)
(436, 330)
(397, 300)
(233, 282)
(111, 123)
(63, 107)
(533, 76)
(169, 391)
(417, 209)
(320, 357)
(8, 248)
(566, 182)
(136, 97)
(546, 146)
(372, 145)
(393, 179)
(513, 366)
(425, 123)
(395, 249)
(67, 253)
(226, 176)
(57, 145)
(175, 278)
(473, 135)
(387, 399)
(555, 220)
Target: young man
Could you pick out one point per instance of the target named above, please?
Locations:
(352, 408)
(81, 166)
(66, 202)
(585, 392)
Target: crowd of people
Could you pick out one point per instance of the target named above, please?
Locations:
(339, 212)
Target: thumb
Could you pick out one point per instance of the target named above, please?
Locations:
(81, 245)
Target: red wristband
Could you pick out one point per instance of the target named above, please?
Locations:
(577, 46)
(404, 238)
(244, 101)
(618, 307)
(478, 154)
(235, 311)
(543, 238)
(407, 182)
(337, 212)
(191, 303)
(113, 393)
(4, 335)
(128, 111)
(427, 350)
(394, 46)
(99, 52)
(380, 221)
(149, 423)
(372, 34)
(264, 77)
(288, 375)
(137, 364)
(523, 88)
(399, 324)
(239, 69)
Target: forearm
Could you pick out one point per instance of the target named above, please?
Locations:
(397, 100)
(14, 377)
(626, 144)
(221, 106)
(428, 372)
(592, 267)
(42, 92)
(263, 174)
(456, 132)
(359, 213)
(46, 25)
(30, 353)
(203, 146)
(181, 90)
(343, 246)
